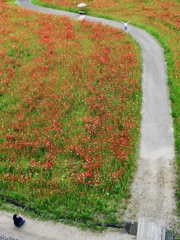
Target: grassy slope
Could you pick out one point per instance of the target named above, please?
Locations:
(162, 20)
(63, 114)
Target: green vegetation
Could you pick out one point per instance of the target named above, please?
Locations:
(70, 100)
(159, 18)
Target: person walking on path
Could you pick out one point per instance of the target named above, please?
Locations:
(18, 220)
(126, 26)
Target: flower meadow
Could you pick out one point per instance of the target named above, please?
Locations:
(70, 98)
(161, 18)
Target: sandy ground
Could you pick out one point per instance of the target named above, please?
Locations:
(153, 188)
(154, 184)
(41, 230)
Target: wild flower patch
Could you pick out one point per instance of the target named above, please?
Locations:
(70, 102)
(159, 18)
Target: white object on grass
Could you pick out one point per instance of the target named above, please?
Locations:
(81, 5)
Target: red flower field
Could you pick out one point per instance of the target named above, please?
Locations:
(70, 101)
(161, 19)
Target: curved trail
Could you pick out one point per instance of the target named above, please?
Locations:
(153, 188)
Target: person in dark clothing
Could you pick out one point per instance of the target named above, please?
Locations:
(18, 220)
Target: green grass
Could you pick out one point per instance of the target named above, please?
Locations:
(164, 38)
(153, 17)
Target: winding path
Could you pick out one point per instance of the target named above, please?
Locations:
(153, 188)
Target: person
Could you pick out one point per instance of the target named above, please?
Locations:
(126, 26)
(18, 220)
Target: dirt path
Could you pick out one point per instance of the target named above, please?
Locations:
(153, 188)
(39, 230)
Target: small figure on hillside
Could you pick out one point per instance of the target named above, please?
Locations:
(126, 26)
(18, 220)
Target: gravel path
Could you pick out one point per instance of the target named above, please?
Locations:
(153, 188)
